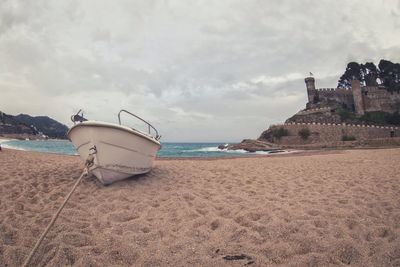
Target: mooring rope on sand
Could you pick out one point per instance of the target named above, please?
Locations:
(88, 164)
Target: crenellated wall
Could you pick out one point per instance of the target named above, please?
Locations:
(375, 99)
(313, 110)
(328, 133)
(343, 96)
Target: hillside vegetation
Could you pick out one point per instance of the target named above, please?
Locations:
(26, 124)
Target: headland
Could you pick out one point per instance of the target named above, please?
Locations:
(360, 116)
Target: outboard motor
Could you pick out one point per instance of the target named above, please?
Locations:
(78, 117)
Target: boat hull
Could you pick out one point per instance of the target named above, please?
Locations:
(119, 152)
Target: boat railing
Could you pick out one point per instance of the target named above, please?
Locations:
(157, 137)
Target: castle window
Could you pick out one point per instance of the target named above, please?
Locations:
(366, 93)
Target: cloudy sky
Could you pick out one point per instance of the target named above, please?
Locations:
(198, 70)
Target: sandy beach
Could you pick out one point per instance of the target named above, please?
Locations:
(316, 209)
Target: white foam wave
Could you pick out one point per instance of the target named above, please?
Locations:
(236, 151)
(5, 145)
(204, 149)
(5, 140)
(216, 149)
(262, 152)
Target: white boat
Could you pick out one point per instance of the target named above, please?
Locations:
(119, 151)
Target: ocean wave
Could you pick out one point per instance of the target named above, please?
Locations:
(238, 151)
(43, 146)
(2, 141)
(216, 149)
(204, 149)
(5, 145)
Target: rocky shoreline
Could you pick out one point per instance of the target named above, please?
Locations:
(252, 145)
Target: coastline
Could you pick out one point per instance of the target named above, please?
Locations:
(3, 139)
(322, 208)
(24, 145)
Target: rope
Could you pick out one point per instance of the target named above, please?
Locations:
(89, 163)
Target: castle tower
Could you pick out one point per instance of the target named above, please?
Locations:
(357, 96)
(311, 92)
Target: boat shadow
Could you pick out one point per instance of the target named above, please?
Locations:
(139, 179)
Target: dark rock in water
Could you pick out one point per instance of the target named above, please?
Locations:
(222, 147)
(251, 145)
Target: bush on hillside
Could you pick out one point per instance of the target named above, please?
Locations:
(345, 114)
(381, 117)
(304, 133)
(279, 132)
(348, 138)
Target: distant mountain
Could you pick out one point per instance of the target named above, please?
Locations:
(9, 125)
(24, 123)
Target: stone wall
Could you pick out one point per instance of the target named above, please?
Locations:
(313, 111)
(328, 133)
(317, 115)
(375, 99)
(339, 95)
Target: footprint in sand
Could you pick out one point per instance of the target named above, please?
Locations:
(385, 232)
(201, 211)
(188, 197)
(241, 220)
(77, 240)
(145, 230)
(346, 253)
(68, 257)
(8, 237)
(123, 217)
(55, 196)
(214, 224)
(254, 216)
(155, 205)
(321, 223)
(313, 212)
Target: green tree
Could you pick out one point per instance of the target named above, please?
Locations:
(366, 73)
(348, 138)
(389, 74)
(279, 132)
(381, 117)
(370, 74)
(353, 71)
(394, 118)
(345, 114)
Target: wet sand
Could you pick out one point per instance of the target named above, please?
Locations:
(318, 209)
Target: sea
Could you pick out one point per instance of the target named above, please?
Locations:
(176, 150)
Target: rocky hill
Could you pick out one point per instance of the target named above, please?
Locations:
(24, 124)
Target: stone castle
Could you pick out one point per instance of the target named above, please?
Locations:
(359, 99)
(325, 126)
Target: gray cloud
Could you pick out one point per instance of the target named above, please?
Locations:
(199, 70)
